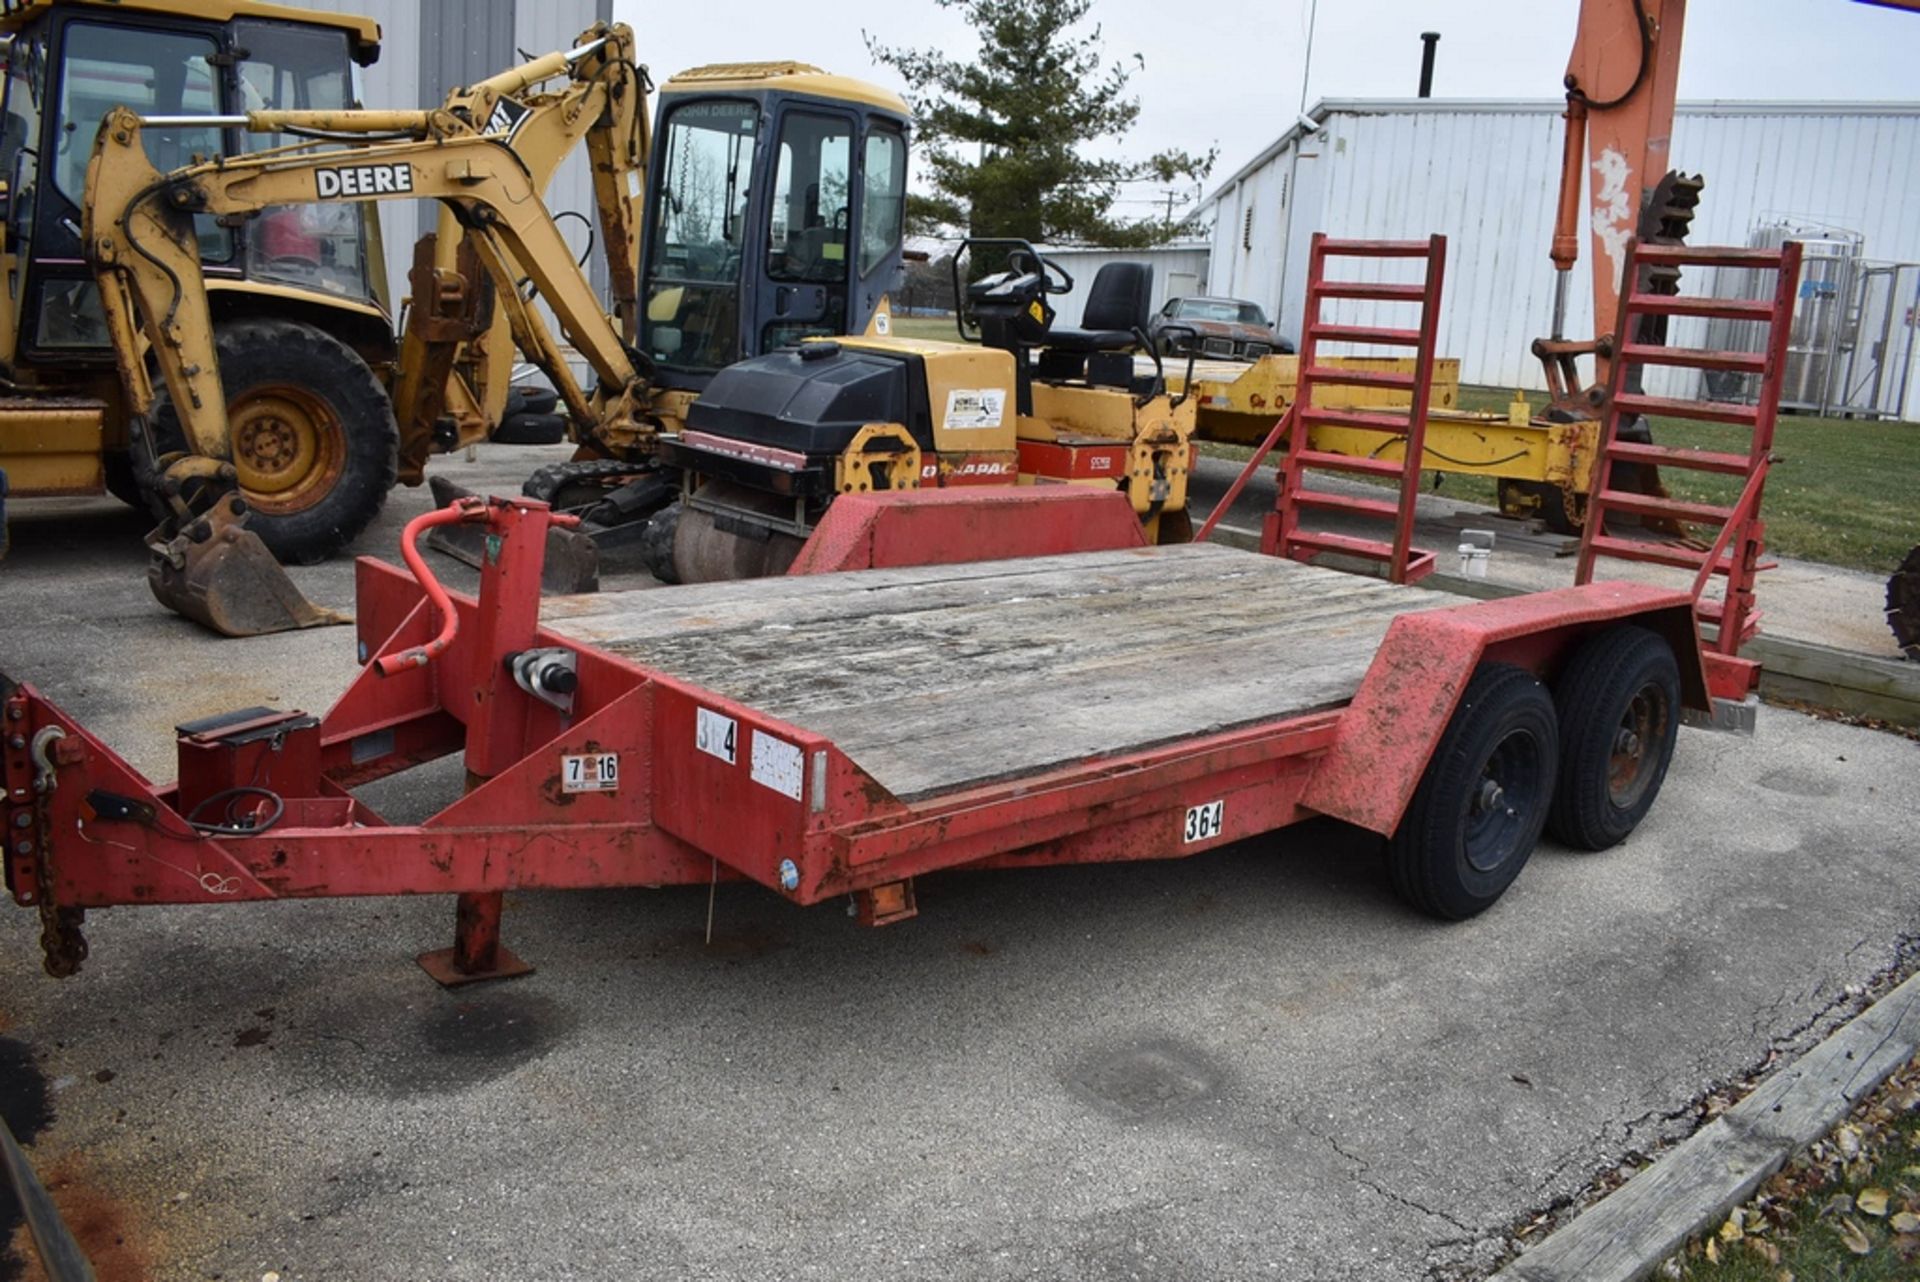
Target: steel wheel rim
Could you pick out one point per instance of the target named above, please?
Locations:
(289, 447)
(1499, 811)
(1631, 757)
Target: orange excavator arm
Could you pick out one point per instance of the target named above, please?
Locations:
(1620, 84)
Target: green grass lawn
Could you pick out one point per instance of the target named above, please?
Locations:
(926, 327)
(1846, 1210)
(1844, 492)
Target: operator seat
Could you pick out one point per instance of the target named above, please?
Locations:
(1118, 303)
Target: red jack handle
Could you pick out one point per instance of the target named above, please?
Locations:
(472, 509)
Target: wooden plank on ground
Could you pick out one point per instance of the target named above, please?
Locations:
(1623, 1237)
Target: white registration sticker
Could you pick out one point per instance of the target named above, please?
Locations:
(715, 735)
(971, 407)
(777, 764)
(590, 772)
(1204, 822)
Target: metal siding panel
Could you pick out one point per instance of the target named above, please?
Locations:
(540, 28)
(1486, 175)
(460, 41)
(1084, 263)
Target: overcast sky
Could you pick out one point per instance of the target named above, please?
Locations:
(1228, 73)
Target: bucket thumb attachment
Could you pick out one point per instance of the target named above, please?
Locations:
(573, 561)
(212, 569)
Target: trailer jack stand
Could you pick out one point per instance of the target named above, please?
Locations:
(477, 953)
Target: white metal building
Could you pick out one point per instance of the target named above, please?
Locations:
(429, 47)
(1486, 174)
(1179, 270)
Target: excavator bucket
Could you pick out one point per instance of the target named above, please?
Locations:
(218, 573)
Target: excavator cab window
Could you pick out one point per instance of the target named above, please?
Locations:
(67, 70)
(156, 73)
(697, 242)
(883, 205)
(20, 139)
(169, 73)
(311, 246)
(809, 221)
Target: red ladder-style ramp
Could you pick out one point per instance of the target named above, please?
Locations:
(1407, 428)
(1735, 552)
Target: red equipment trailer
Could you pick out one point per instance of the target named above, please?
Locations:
(905, 707)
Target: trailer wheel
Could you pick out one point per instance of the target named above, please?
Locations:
(1619, 706)
(1478, 811)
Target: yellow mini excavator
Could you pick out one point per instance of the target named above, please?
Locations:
(508, 267)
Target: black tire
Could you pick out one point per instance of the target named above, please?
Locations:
(289, 382)
(1618, 700)
(530, 429)
(1903, 605)
(656, 544)
(123, 481)
(1480, 806)
(522, 399)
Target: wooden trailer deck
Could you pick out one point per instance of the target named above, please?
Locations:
(938, 678)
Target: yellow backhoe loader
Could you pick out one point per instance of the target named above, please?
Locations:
(313, 439)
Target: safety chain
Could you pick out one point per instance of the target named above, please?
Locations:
(64, 946)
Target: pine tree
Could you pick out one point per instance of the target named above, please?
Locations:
(1004, 138)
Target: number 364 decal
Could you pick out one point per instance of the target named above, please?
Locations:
(1204, 822)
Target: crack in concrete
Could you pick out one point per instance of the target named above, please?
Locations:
(1473, 1234)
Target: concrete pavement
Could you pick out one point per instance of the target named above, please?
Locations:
(1252, 1064)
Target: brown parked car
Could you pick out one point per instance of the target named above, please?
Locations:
(1221, 328)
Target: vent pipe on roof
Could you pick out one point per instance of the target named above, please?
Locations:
(1431, 39)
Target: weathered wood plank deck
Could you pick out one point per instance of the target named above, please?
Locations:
(941, 677)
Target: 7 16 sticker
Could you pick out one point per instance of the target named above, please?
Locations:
(590, 772)
(1204, 822)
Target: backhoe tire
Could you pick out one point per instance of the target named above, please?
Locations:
(1903, 605)
(314, 437)
(123, 480)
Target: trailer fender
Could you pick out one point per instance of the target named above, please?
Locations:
(1387, 734)
(943, 527)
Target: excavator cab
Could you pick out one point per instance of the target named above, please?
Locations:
(776, 207)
